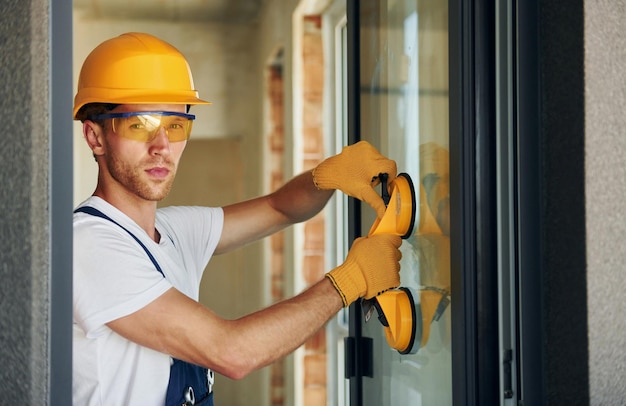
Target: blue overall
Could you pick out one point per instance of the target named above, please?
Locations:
(189, 384)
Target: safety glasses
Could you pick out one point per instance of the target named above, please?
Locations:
(144, 125)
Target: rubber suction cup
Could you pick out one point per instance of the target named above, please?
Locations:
(397, 311)
(399, 197)
(401, 320)
(407, 324)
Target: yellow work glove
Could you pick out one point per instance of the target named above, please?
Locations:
(371, 267)
(355, 172)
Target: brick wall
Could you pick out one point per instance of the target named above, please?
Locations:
(314, 358)
(313, 152)
(276, 142)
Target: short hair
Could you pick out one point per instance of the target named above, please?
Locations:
(94, 109)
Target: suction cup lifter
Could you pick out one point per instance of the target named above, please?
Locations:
(399, 217)
(396, 308)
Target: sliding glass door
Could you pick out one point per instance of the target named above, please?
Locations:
(449, 90)
(403, 110)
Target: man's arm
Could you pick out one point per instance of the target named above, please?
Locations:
(296, 201)
(354, 171)
(179, 326)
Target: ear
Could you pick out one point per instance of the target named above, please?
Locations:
(94, 134)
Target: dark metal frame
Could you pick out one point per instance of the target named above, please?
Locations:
(531, 383)
(354, 206)
(473, 194)
(61, 167)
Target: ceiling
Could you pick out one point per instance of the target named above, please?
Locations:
(171, 10)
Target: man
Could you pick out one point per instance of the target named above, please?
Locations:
(137, 269)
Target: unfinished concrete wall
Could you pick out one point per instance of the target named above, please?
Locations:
(605, 194)
(35, 203)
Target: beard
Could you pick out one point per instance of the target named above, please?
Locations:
(133, 178)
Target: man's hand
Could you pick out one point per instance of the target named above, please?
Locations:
(371, 267)
(355, 172)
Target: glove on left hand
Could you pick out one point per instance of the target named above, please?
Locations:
(355, 172)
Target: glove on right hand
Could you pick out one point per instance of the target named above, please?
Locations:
(371, 267)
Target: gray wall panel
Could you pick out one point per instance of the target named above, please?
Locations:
(605, 185)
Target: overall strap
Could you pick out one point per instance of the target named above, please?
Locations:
(95, 212)
(184, 376)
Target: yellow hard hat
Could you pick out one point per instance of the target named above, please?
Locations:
(135, 68)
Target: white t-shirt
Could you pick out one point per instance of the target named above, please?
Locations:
(114, 277)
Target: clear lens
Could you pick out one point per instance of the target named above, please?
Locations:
(144, 127)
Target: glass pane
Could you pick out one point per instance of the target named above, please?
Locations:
(404, 112)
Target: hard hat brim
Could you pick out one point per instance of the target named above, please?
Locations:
(140, 97)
